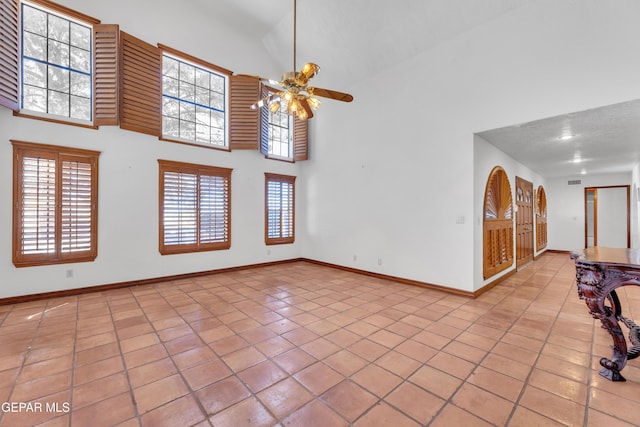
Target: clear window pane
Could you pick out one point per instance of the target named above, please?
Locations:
(58, 103)
(34, 73)
(35, 20)
(34, 99)
(58, 79)
(80, 60)
(34, 46)
(80, 108)
(80, 36)
(58, 29)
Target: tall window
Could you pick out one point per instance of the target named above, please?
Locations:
(279, 209)
(56, 64)
(55, 204)
(193, 103)
(195, 208)
(279, 136)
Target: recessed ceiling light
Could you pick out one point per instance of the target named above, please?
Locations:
(566, 137)
(583, 172)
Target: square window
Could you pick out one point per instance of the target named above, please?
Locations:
(200, 95)
(56, 64)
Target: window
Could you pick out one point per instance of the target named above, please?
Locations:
(279, 209)
(279, 134)
(282, 136)
(55, 204)
(195, 208)
(56, 64)
(194, 101)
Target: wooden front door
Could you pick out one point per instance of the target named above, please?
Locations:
(524, 222)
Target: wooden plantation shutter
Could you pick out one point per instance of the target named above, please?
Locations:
(77, 214)
(263, 120)
(497, 224)
(9, 56)
(214, 210)
(541, 219)
(105, 74)
(55, 204)
(300, 139)
(279, 209)
(180, 191)
(37, 202)
(140, 86)
(195, 208)
(244, 130)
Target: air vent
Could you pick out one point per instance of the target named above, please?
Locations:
(575, 182)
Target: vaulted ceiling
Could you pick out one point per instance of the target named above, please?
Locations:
(352, 39)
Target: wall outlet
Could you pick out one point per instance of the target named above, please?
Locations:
(355, 258)
(379, 261)
(69, 273)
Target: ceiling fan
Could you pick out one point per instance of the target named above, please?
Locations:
(295, 95)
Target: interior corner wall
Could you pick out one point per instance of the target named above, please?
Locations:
(391, 186)
(486, 157)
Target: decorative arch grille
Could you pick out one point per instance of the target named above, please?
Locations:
(497, 224)
(541, 219)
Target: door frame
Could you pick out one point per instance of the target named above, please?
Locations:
(595, 209)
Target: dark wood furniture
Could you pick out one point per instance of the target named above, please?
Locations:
(599, 272)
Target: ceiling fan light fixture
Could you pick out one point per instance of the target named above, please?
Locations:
(314, 102)
(274, 106)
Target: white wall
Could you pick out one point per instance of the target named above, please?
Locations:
(391, 176)
(128, 169)
(635, 207)
(393, 172)
(565, 208)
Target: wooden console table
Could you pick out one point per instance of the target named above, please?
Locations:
(599, 272)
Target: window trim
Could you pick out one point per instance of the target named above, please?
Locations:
(198, 170)
(273, 177)
(207, 66)
(22, 149)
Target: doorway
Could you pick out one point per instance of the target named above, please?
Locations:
(524, 222)
(607, 219)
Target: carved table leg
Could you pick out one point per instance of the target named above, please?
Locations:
(595, 291)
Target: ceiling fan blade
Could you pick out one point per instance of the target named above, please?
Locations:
(332, 94)
(309, 70)
(307, 108)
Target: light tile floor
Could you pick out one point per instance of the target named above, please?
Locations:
(306, 345)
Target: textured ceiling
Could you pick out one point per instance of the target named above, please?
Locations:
(604, 140)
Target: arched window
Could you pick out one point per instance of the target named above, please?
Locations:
(497, 224)
(541, 219)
